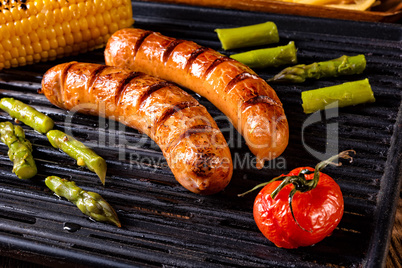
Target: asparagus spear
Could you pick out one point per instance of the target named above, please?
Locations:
(27, 114)
(90, 203)
(247, 36)
(350, 93)
(20, 150)
(78, 151)
(268, 57)
(344, 65)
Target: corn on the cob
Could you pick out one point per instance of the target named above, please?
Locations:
(33, 30)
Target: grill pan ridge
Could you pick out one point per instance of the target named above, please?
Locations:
(165, 225)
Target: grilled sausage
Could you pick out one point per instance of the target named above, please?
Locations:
(189, 138)
(246, 99)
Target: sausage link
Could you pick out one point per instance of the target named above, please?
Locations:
(189, 138)
(246, 99)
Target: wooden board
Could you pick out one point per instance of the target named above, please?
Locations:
(279, 7)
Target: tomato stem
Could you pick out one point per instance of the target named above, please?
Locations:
(260, 186)
(300, 183)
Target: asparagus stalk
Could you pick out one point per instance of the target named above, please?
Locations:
(77, 150)
(344, 65)
(20, 150)
(268, 57)
(350, 93)
(27, 114)
(90, 203)
(247, 36)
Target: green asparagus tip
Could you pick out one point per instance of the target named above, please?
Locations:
(90, 203)
(20, 150)
(345, 65)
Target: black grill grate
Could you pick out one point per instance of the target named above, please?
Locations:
(164, 224)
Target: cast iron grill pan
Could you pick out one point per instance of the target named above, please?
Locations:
(166, 225)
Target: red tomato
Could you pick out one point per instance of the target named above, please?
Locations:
(318, 212)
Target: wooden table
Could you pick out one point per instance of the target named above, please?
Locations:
(395, 250)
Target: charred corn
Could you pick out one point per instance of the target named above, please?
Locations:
(32, 31)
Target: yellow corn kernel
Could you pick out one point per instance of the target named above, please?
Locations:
(14, 52)
(33, 21)
(29, 59)
(15, 41)
(77, 37)
(86, 35)
(75, 27)
(8, 15)
(61, 41)
(14, 62)
(18, 29)
(44, 55)
(7, 64)
(58, 29)
(16, 14)
(37, 47)
(25, 40)
(59, 51)
(34, 37)
(22, 52)
(36, 57)
(69, 39)
(52, 54)
(83, 24)
(95, 33)
(104, 30)
(7, 55)
(7, 44)
(29, 49)
(91, 20)
(39, 30)
(82, 9)
(21, 61)
(45, 44)
(113, 27)
(2, 19)
(26, 26)
(57, 15)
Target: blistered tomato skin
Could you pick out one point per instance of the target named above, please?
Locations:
(317, 211)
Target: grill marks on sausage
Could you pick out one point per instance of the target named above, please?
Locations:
(186, 134)
(66, 69)
(63, 77)
(170, 48)
(193, 56)
(194, 130)
(170, 111)
(151, 89)
(124, 84)
(213, 65)
(140, 41)
(95, 76)
(238, 78)
(260, 99)
(65, 72)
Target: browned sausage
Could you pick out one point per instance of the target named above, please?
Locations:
(189, 138)
(246, 99)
